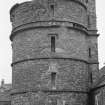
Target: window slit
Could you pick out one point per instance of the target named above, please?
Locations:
(52, 6)
(91, 79)
(88, 21)
(53, 79)
(90, 52)
(52, 43)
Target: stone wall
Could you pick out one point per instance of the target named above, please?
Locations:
(63, 10)
(73, 61)
(40, 98)
(71, 75)
(36, 43)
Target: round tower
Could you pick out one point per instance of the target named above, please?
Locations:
(54, 48)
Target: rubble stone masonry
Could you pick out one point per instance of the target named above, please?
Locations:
(70, 27)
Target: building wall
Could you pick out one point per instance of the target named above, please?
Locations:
(73, 61)
(42, 11)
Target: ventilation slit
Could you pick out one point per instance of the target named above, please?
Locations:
(52, 43)
(90, 52)
(53, 79)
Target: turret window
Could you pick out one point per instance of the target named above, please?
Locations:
(89, 52)
(88, 19)
(52, 43)
(51, 5)
(53, 80)
(91, 79)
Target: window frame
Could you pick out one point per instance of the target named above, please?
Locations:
(53, 37)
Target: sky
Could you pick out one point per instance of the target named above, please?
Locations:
(5, 31)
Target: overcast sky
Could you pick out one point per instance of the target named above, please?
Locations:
(5, 31)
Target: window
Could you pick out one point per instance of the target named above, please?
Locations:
(51, 5)
(88, 19)
(52, 43)
(91, 79)
(90, 52)
(53, 79)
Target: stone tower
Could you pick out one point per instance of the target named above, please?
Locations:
(55, 59)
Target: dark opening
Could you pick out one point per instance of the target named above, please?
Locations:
(88, 21)
(91, 98)
(90, 52)
(52, 6)
(52, 43)
(53, 79)
(91, 79)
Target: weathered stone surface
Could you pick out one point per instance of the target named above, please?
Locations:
(33, 24)
(50, 98)
(92, 14)
(71, 75)
(92, 44)
(41, 11)
(36, 44)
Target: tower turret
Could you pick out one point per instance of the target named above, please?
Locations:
(54, 45)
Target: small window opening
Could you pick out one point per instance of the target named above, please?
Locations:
(52, 43)
(53, 79)
(91, 79)
(90, 52)
(52, 6)
(88, 20)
